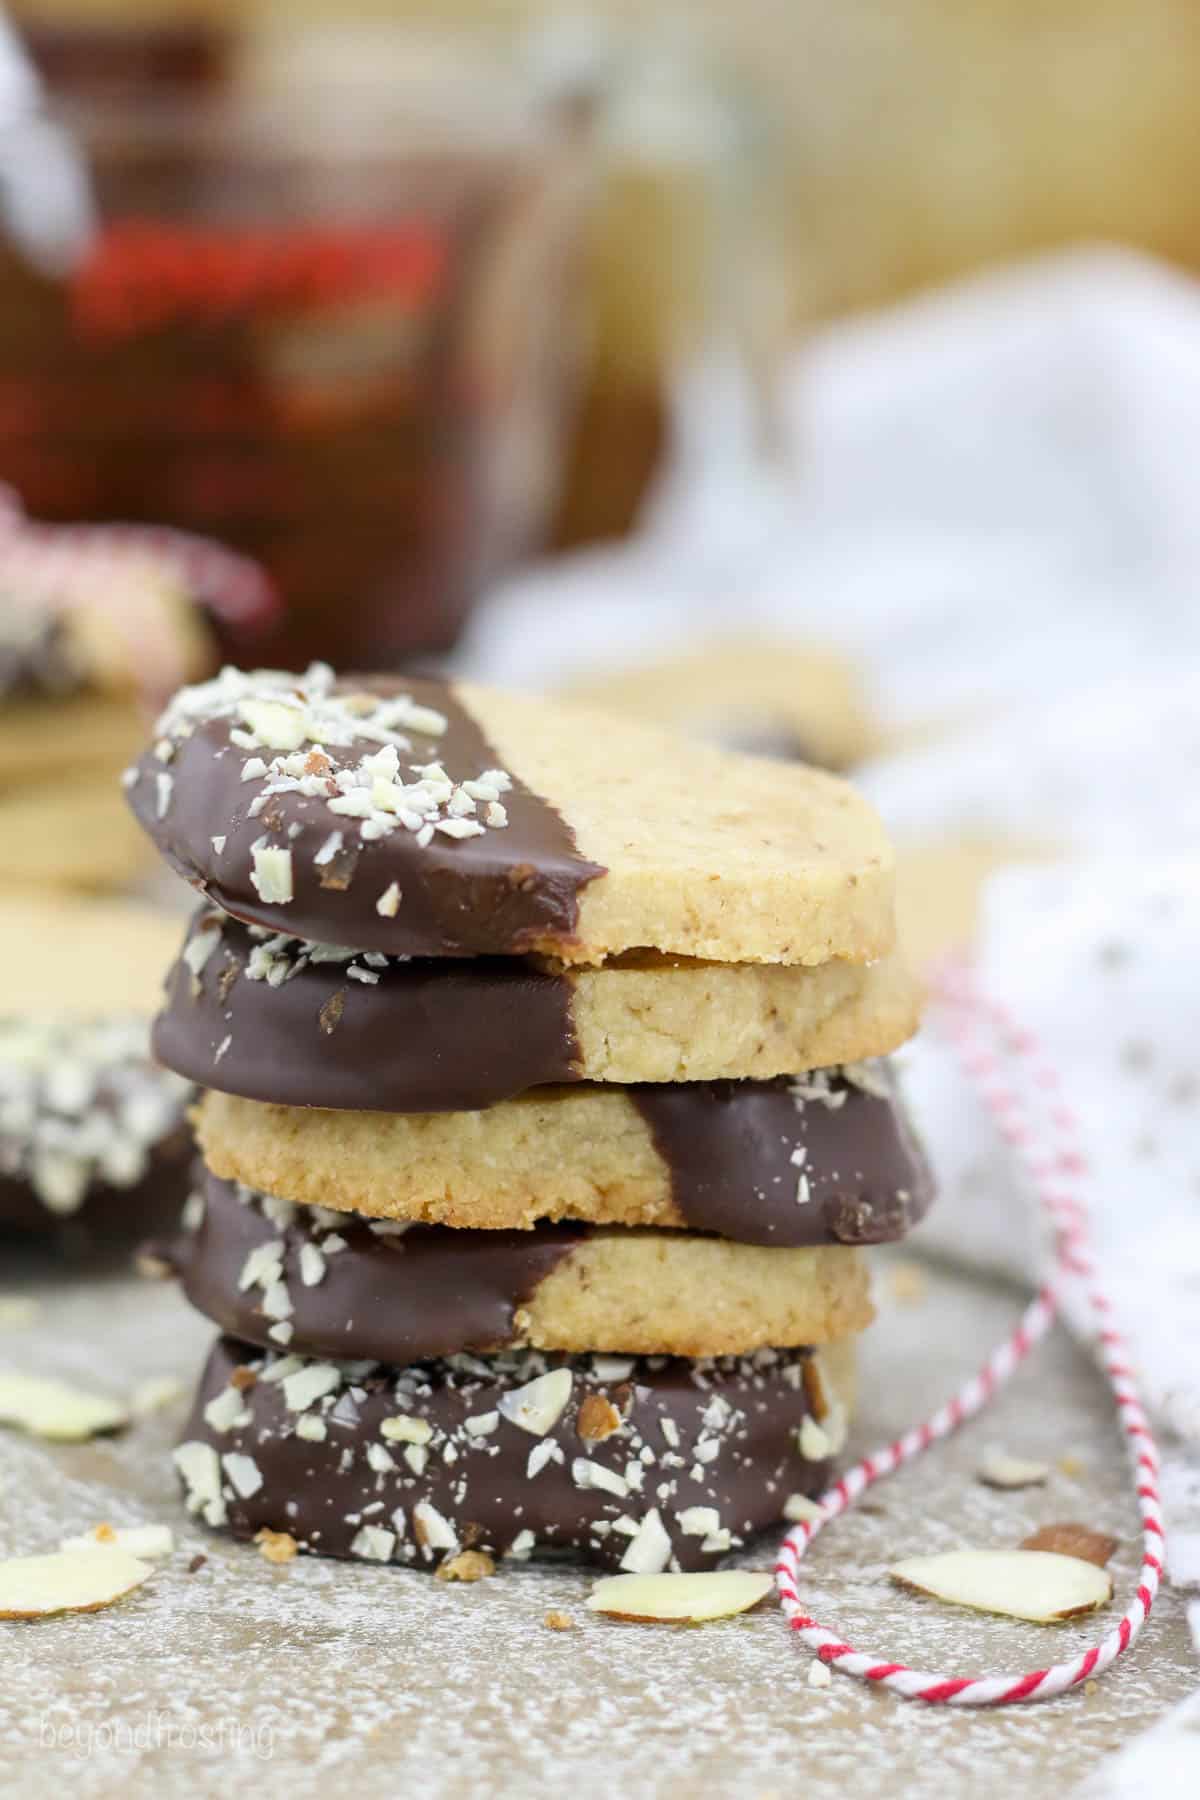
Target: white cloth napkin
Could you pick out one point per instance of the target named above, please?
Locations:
(986, 496)
(989, 501)
(1101, 958)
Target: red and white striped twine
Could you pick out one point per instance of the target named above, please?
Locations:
(74, 557)
(1022, 1091)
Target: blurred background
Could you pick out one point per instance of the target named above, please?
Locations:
(822, 378)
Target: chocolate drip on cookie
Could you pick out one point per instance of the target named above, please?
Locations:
(822, 1158)
(634, 1462)
(272, 1018)
(356, 1287)
(372, 813)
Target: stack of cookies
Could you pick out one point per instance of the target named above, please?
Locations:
(543, 1124)
(97, 623)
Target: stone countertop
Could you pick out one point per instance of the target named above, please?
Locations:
(296, 1677)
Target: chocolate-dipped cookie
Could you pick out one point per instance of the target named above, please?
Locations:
(431, 819)
(275, 1018)
(825, 1158)
(94, 1144)
(640, 1464)
(324, 1283)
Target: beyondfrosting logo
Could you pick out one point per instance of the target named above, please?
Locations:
(84, 1739)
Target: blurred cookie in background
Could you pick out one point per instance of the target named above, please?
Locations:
(95, 1148)
(796, 702)
(939, 891)
(97, 625)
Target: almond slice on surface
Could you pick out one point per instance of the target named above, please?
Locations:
(679, 1599)
(1037, 1585)
(33, 1587)
(148, 1541)
(1074, 1540)
(999, 1470)
(48, 1408)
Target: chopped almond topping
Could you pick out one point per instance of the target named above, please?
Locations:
(816, 1390)
(330, 1015)
(598, 1419)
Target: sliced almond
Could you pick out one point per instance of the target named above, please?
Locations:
(147, 1541)
(154, 1394)
(999, 1470)
(53, 1409)
(33, 1587)
(1073, 1540)
(1024, 1584)
(538, 1406)
(679, 1599)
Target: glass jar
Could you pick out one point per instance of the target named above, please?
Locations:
(330, 320)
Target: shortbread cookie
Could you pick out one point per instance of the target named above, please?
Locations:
(638, 1464)
(825, 1158)
(422, 819)
(72, 833)
(800, 702)
(83, 957)
(324, 1283)
(48, 742)
(90, 1130)
(274, 1018)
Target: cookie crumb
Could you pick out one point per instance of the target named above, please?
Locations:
(152, 1267)
(198, 1561)
(468, 1565)
(276, 1546)
(908, 1283)
(558, 1621)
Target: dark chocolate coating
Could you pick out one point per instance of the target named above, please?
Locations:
(109, 1217)
(729, 1147)
(492, 894)
(394, 1298)
(433, 1035)
(94, 1141)
(323, 1493)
